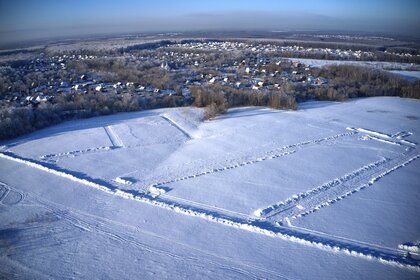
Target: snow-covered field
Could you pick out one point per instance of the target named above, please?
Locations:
(328, 191)
(409, 75)
(405, 69)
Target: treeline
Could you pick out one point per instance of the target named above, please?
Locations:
(16, 121)
(217, 99)
(377, 56)
(348, 81)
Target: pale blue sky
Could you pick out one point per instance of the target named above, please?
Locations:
(182, 15)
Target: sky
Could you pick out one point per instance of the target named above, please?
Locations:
(58, 16)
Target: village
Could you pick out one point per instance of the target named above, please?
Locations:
(268, 47)
(166, 68)
(245, 67)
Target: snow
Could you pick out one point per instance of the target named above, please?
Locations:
(388, 206)
(408, 71)
(409, 75)
(397, 66)
(328, 191)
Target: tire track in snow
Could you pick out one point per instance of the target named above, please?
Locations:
(76, 153)
(52, 157)
(368, 184)
(272, 154)
(9, 196)
(290, 203)
(4, 190)
(303, 204)
(393, 257)
(103, 229)
(100, 225)
(214, 170)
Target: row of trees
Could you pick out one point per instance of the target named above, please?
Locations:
(347, 81)
(16, 121)
(217, 99)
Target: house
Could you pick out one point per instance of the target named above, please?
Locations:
(321, 81)
(300, 78)
(40, 98)
(310, 79)
(165, 66)
(296, 64)
(186, 92)
(259, 82)
(117, 85)
(168, 92)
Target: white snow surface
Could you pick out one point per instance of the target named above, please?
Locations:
(385, 65)
(328, 191)
(409, 75)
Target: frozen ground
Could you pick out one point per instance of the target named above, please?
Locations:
(409, 70)
(328, 191)
(408, 75)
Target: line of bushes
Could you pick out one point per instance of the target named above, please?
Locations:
(16, 121)
(217, 99)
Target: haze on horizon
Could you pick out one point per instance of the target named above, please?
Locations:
(25, 19)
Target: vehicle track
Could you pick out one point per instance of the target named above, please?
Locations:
(238, 162)
(308, 202)
(53, 157)
(106, 227)
(9, 196)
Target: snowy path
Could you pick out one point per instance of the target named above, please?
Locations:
(174, 124)
(113, 137)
